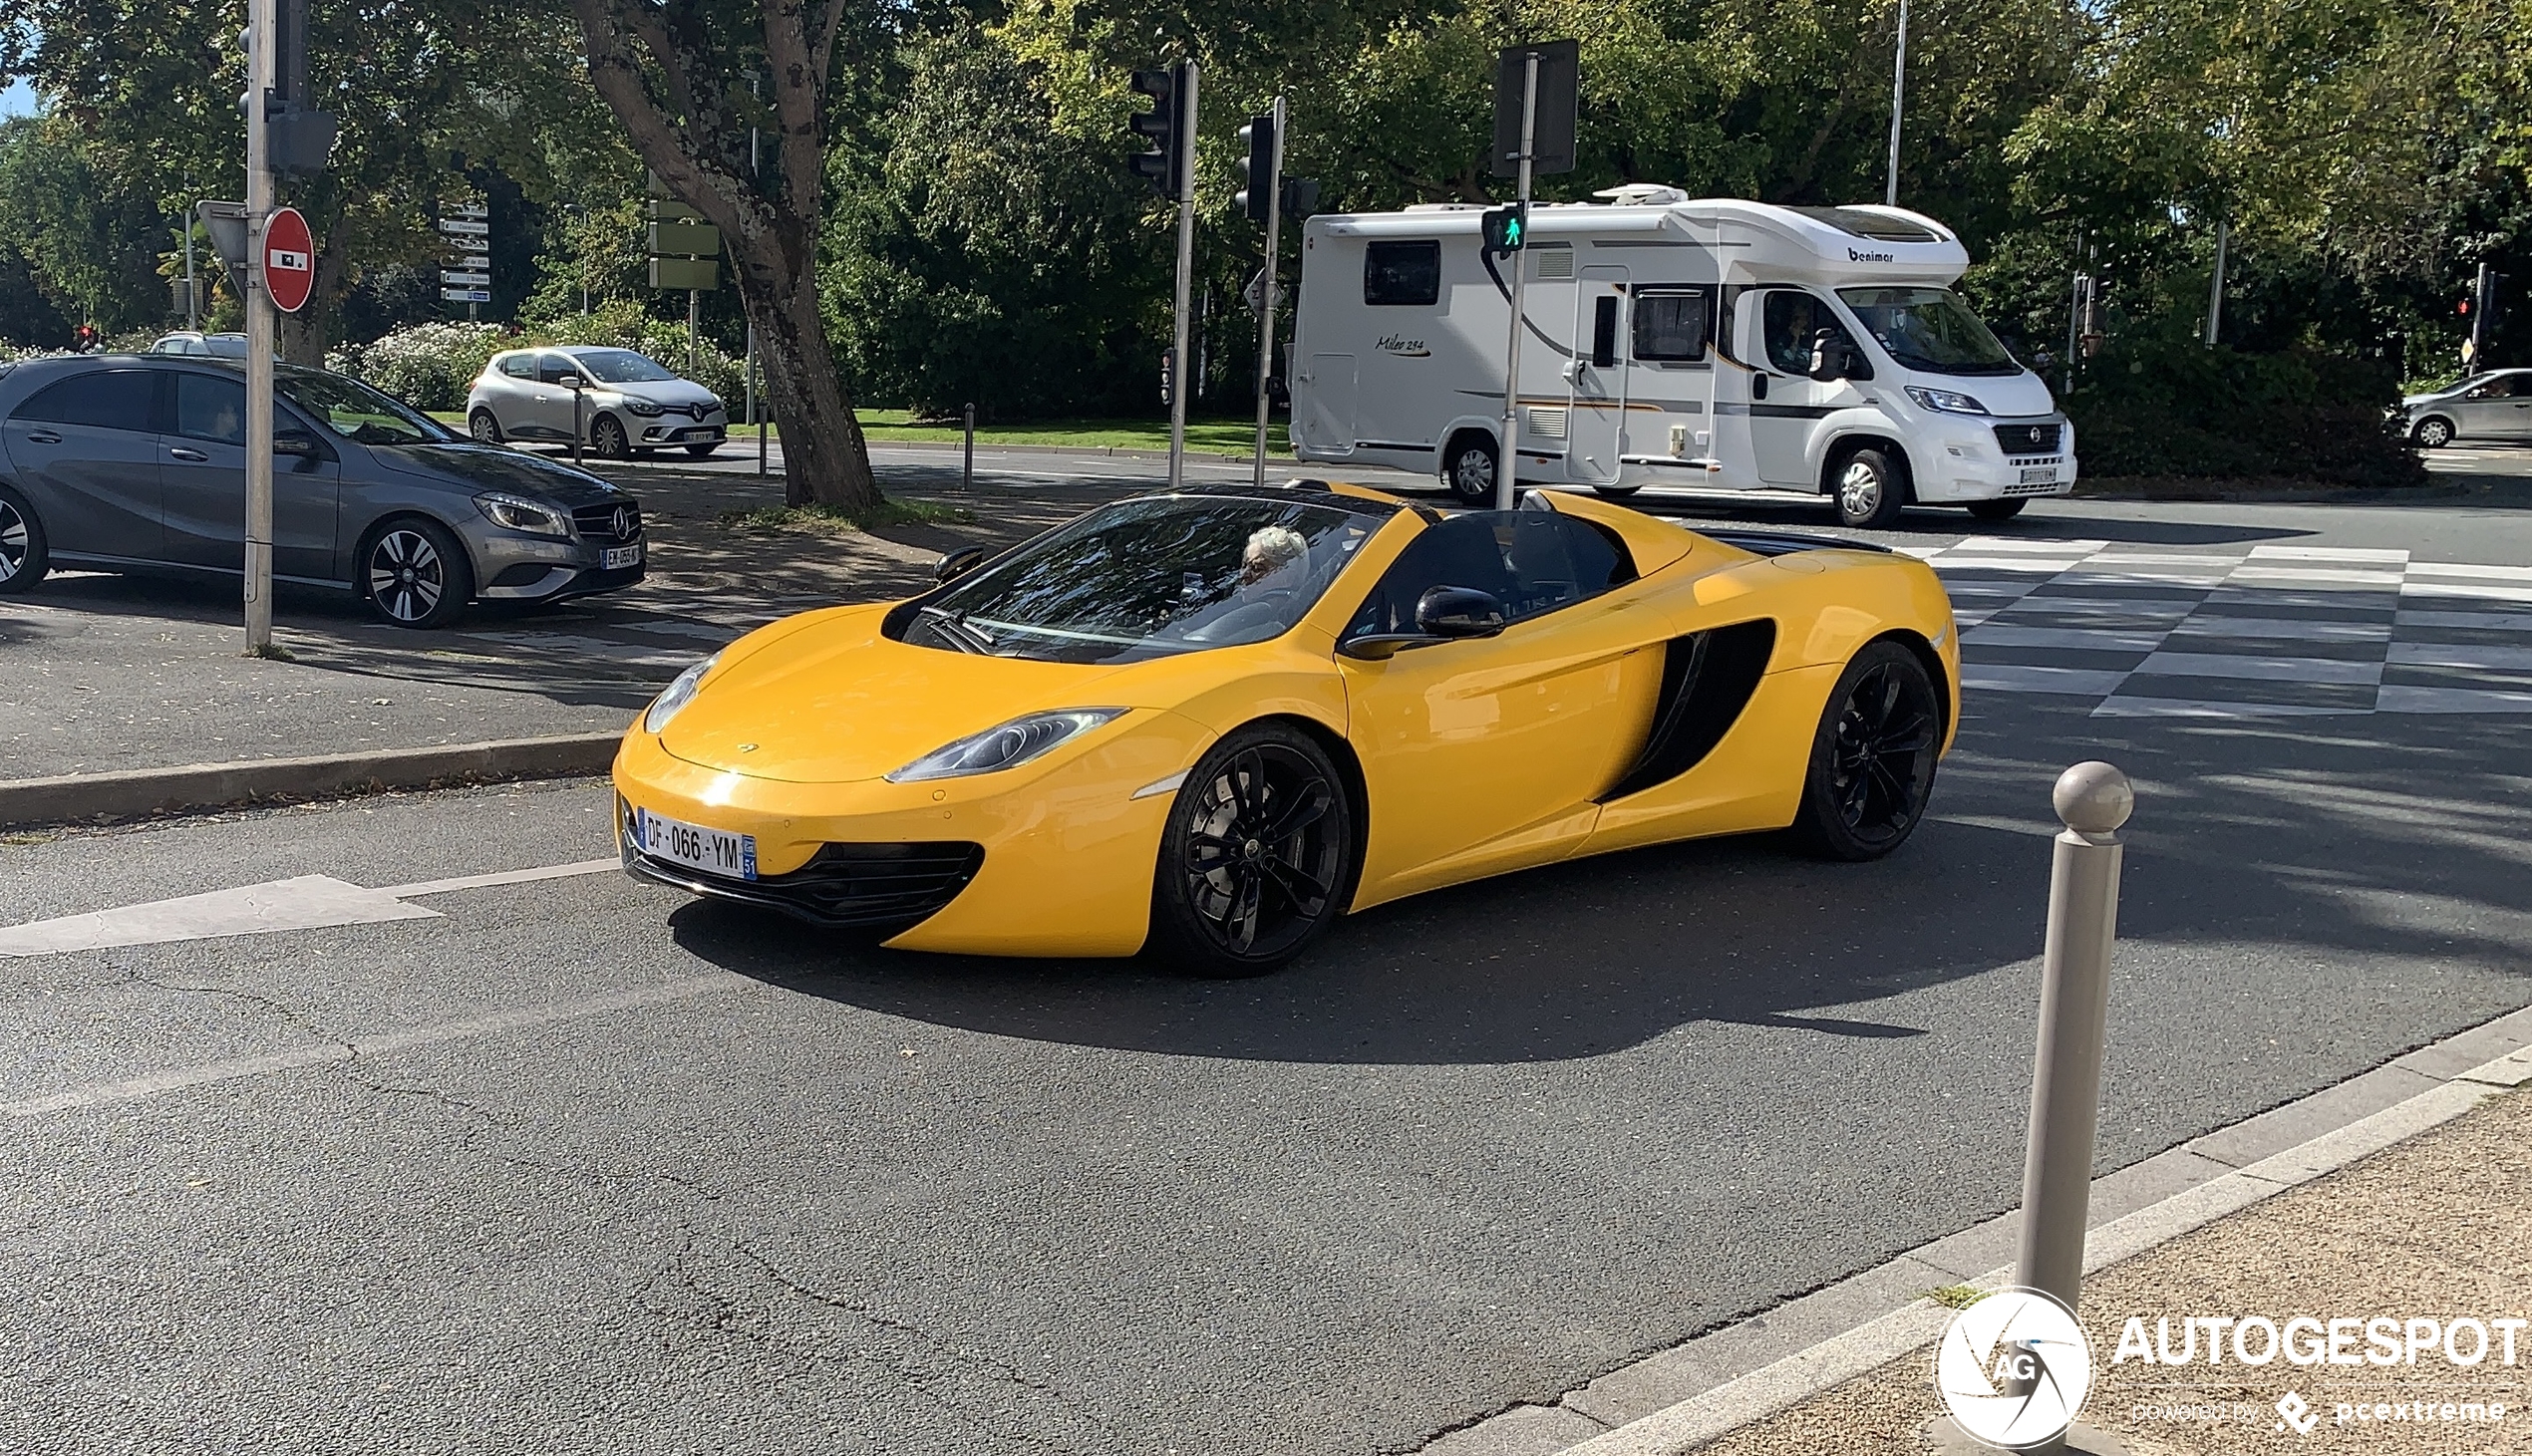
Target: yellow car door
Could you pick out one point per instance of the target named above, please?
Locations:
(1484, 755)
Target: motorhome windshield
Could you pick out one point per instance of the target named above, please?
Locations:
(1929, 329)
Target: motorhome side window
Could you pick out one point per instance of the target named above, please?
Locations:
(1669, 327)
(1402, 273)
(1794, 319)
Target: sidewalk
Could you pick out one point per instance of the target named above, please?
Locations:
(2437, 1227)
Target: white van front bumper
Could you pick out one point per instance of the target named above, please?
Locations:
(1967, 460)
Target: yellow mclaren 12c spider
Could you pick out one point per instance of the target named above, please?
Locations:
(1207, 723)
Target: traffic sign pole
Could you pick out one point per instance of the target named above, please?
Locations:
(262, 29)
(1504, 453)
(1266, 288)
(1180, 383)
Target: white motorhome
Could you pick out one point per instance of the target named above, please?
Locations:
(1717, 344)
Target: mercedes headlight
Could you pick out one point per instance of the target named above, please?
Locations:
(1947, 402)
(1006, 746)
(680, 692)
(518, 513)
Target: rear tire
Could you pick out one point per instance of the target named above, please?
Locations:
(1257, 857)
(24, 554)
(1467, 470)
(1872, 760)
(414, 573)
(1869, 488)
(485, 428)
(1997, 510)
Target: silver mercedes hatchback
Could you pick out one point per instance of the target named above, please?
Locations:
(614, 401)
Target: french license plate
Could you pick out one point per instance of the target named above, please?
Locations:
(2040, 475)
(713, 851)
(616, 558)
(711, 433)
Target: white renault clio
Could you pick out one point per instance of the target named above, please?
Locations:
(615, 401)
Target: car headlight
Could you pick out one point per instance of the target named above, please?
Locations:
(676, 695)
(1947, 402)
(1005, 747)
(643, 407)
(518, 513)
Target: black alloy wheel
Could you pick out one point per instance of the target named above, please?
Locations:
(2433, 432)
(1872, 762)
(1469, 470)
(1997, 510)
(416, 574)
(1255, 860)
(485, 428)
(23, 553)
(608, 439)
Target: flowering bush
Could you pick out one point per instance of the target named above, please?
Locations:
(432, 366)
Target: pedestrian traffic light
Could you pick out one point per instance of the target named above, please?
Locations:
(1506, 229)
(1164, 126)
(1257, 169)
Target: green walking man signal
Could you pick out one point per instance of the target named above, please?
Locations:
(1507, 229)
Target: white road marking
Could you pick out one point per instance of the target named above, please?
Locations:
(2472, 590)
(2285, 628)
(2325, 576)
(505, 877)
(2400, 697)
(2130, 706)
(309, 902)
(2475, 621)
(515, 1018)
(2078, 639)
(2393, 554)
(2266, 669)
(2456, 568)
(2021, 677)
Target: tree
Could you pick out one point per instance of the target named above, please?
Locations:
(674, 75)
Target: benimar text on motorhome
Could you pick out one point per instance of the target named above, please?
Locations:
(1717, 344)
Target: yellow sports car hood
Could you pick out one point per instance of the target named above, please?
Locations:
(833, 702)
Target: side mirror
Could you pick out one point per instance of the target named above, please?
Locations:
(293, 442)
(1828, 357)
(573, 382)
(1459, 611)
(958, 563)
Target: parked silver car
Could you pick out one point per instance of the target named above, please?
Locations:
(136, 462)
(617, 402)
(198, 344)
(2492, 406)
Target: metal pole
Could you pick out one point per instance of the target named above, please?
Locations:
(1504, 468)
(752, 400)
(577, 428)
(2483, 291)
(193, 289)
(967, 469)
(262, 25)
(694, 331)
(2093, 800)
(2215, 290)
(1898, 103)
(1266, 290)
(1186, 266)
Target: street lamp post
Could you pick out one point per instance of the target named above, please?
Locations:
(1898, 103)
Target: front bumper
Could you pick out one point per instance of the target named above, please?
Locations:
(1962, 462)
(878, 888)
(512, 566)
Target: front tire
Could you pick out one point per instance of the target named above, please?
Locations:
(2433, 432)
(416, 574)
(1870, 489)
(1256, 859)
(24, 554)
(1997, 510)
(608, 439)
(1467, 471)
(1872, 760)
(485, 428)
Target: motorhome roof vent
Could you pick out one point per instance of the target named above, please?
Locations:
(1640, 194)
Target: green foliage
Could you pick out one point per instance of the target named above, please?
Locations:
(86, 236)
(2163, 404)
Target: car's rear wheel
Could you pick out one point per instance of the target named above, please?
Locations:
(1872, 760)
(485, 428)
(2434, 431)
(1467, 468)
(607, 437)
(24, 556)
(416, 574)
(1997, 510)
(1254, 861)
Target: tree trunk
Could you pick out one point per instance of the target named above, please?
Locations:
(305, 334)
(825, 460)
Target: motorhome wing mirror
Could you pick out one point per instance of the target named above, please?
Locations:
(1828, 356)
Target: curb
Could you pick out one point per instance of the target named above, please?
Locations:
(1693, 1393)
(140, 791)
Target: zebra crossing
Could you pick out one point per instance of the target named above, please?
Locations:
(2267, 631)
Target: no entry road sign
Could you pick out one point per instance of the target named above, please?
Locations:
(289, 261)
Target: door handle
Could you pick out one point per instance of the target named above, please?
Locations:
(43, 437)
(181, 453)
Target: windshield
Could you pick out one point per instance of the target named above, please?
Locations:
(620, 367)
(358, 413)
(1929, 329)
(1149, 578)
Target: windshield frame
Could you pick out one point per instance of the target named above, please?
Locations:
(289, 382)
(2001, 363)
(586, 358)
(961, 615)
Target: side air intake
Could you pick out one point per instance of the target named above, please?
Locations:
(1706, 680)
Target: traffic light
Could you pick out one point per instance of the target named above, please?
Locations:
(1506, 229)
(1301, 196)
(1257, 169)
(1164, 126)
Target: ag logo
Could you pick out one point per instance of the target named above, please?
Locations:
(2014, 1368)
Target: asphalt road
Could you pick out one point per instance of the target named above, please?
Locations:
(573, 1164)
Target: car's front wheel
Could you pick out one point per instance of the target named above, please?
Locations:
(1869, 491)
(416, 574)
(1254, 862)
(23, 553)
(607, 437)
(485, 428)
(2433, 432)
(1872, 760)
